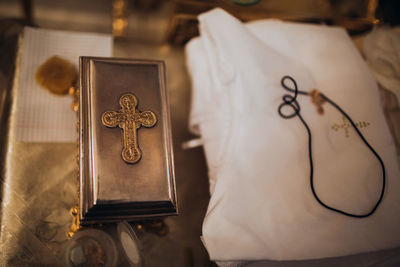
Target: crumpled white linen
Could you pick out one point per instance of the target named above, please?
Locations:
(382, 51)
(261, 204)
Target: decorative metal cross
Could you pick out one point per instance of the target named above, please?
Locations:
(346, 126)
(129, 119)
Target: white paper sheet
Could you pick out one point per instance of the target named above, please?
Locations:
(41, 115)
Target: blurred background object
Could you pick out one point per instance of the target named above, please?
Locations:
(154, 21)
(356, 16)
(120, 18)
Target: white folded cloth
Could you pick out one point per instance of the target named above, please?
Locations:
(382, 51)
(261, 204)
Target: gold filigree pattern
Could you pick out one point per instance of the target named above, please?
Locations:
(345, 125)
(76, 225)
(129, 119)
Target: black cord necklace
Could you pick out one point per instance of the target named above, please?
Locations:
(318, 99)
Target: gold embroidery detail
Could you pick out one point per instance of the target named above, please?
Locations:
(129, 119)
(346, 126)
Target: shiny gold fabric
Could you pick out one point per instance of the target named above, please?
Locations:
(40, 187)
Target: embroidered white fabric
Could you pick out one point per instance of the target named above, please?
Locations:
(261, 204)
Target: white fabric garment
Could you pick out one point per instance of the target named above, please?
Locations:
(261, 204)
(382, 50)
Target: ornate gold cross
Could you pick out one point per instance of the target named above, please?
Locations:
(346, 126)
(129, 119)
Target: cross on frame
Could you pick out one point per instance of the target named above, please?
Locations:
(129, 119)
(346, 126)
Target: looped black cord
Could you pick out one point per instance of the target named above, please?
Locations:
(291, 101)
